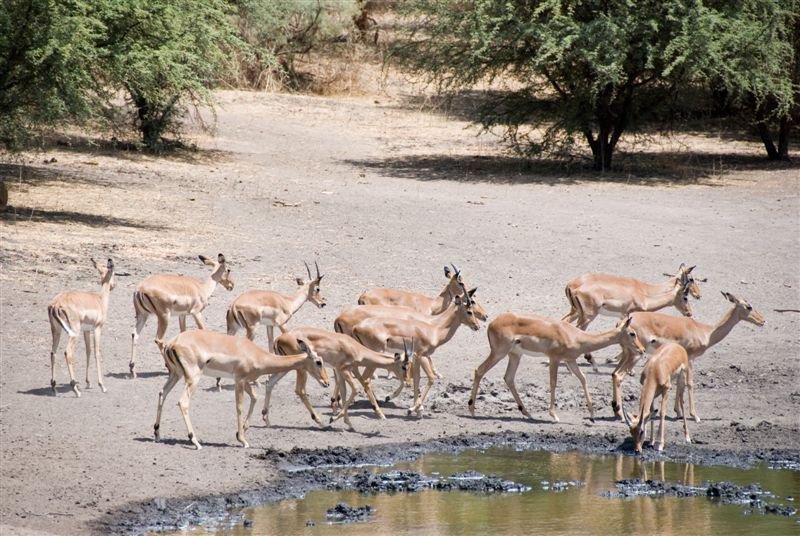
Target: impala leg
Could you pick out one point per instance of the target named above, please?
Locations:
(268, 386)
(141, 320)
(365, 383)
(98, 331)
(495, 356)
(87, 342)
(553, 382)
(55, 330)
(616, 383)
(248, 388)
(183, 404)
(348, 377)
(686, 436)
(270, 337)
(427, 365)
(690, 389)
(510, 376)
(589, 314)
(415, 381)
(573, 367)
(163, 322)
(68, 355)
(662, 418)
(162, 396)
(335, 397)
(239, 391)
(198, 320)
(300, 390)
(182, 323)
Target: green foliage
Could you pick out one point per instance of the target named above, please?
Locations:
(164, 54)
(278, 33)
(45, 48)
(590, 69)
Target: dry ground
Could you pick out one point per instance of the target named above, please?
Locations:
(384, 195)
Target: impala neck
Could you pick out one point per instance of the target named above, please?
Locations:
(274, 364)
(207, 287)
(589, 342)
(375, 358)
(298, 299)
(660, 296)
(720, 330)
(446, 324)
(443, 300)
(105, 292)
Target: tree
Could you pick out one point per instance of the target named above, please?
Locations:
(46, 47)
(165, 54)
(591, 70)
(277, 34)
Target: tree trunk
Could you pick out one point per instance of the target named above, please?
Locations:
(766, 139)
(603, 146)
(783, 138)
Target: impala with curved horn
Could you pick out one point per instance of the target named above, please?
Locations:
(420, 302)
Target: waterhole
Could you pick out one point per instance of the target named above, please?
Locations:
(569, 493)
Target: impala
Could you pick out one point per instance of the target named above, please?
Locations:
(696, 337)
(593, 294)
(255, 307)
(75, 311)
(352, 316)
(166, 294)
(514, 335)
(344, 354)
(420, 302)
(669, 359)
(193, 354)
(381, 334)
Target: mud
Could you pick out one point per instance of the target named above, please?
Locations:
(305, 470)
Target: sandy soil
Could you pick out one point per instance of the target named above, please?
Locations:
(381, 195)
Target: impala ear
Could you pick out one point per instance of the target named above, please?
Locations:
(302, 345)
(628, 321)
(689, 269)
(110, 265)
(204, 259)
(472, 292)
(447, 272)
(728, 296)
(300, 282)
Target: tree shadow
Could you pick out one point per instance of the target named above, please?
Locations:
(641, 168)
(15, 214)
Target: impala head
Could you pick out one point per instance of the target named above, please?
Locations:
(687, 281)
(629, 337)
(314, 364)
(480, 312)
(466, 310)
(744, 310)
(314, 294)
(682, 302)
(408, 353)
(636, 429)
(221, 273)
(106, 273)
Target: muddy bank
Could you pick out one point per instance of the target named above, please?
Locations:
(305, 470)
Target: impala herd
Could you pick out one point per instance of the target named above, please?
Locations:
(398, 331)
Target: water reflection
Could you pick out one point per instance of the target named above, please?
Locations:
(576, 510)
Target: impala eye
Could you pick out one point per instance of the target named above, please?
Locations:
(632, 334)
(749, 307)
